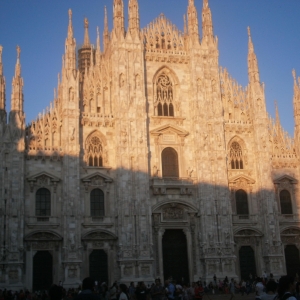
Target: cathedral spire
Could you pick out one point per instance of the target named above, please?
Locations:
(70, 27)
(133, 18)
(98, 48)
(277, 118)
(207, 24)
(119, 27)
(296, 103)
(105, 32)
(2, 84)
(253, 71)
(86, 42)
(70, 47)
(193, 24)
(17, 87)
(98, 40)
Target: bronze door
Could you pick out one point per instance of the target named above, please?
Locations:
(99, 265)
(42, 271)
(292, 260)
(175, 257)
(247, 262)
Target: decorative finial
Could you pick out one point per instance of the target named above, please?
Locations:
(249, 32)
(18, 52)
(294, 74)
(1, 48)
(70, 14)
(86, 23)
(205, 3)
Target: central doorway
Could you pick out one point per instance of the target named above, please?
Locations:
(247, 262)
(42, 271)
(99, 265)
(175, 255)
(292, 260)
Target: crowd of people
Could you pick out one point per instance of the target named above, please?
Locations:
(262, 288)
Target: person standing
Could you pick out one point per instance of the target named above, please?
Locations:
(157, 290)
(171, 290)
(286, 288)
(123, 292)
(232, 289)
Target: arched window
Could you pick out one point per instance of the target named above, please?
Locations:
(164, 96)
(43, 202)
(236, 156)
(286, 203)
(94, 152)
(97, 203)
(241, 203)
(169, 158)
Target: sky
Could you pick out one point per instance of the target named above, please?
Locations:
(40, 29)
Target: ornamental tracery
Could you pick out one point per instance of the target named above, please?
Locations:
(236, 156)
(94, 151)
(164, 96)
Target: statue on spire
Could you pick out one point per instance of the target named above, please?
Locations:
(18, 52)
(18, 68)
(86, 42)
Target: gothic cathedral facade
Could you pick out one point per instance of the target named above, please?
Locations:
(150, 162)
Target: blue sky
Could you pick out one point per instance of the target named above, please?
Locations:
(40, 29)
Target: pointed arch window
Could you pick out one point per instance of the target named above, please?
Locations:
(94, 151)
(97, 203)
(43, 203)
(170, 167)
(241, 203)
(286, 203)
(164, 96)
(236, 156)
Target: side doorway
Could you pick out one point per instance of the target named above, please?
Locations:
(42, 277)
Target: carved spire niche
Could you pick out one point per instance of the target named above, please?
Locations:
(70, 47)
(253, 71)
(2, 84)
(207, 24)
(119, 28)
(133, 18)
(193, 24)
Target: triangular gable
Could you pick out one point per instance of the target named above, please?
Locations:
(242, 178)
(34, 177)
(286, 178)
(90, 177)
(163, 129)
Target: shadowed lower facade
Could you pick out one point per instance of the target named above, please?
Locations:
(150, 162)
